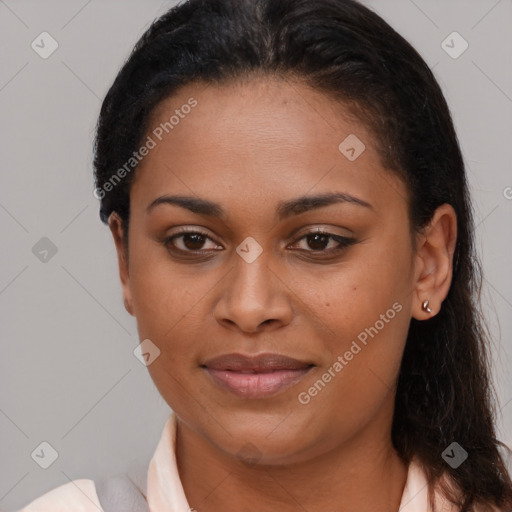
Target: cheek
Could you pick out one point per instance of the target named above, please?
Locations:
(171, 308)
(362, 348)
(162, 292)
(373, 319)
(361, 310)
(357, 291)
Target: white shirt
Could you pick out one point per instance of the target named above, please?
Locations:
(164, 492)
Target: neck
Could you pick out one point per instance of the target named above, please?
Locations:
(362, 473)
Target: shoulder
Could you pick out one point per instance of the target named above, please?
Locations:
(121, 492)
(415, 495)
(124, 492)
(442, 503)
(75, 496)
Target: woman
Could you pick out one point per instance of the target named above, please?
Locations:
(289, 206)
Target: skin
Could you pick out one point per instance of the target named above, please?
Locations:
(248, 146)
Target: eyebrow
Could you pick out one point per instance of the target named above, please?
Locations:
(285, 209)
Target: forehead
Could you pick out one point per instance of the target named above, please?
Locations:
(263, 135)
(274, 111)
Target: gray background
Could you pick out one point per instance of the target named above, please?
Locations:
(68, 373)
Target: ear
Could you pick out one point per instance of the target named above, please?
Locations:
(116, 228)
(434, 262)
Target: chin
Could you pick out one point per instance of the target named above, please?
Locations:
(262, 439)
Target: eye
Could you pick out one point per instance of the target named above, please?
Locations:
(319, 242)
(189, 241)
(324, 242)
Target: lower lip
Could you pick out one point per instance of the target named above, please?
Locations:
(257, 385)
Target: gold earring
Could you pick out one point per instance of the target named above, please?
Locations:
(425, 307)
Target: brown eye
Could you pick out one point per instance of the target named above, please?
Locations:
(190, 241)
(193, 241)
(318, 241)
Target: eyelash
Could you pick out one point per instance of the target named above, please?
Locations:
(344, 242)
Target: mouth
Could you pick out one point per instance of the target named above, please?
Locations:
(256, 376)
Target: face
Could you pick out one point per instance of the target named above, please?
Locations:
(327, 282)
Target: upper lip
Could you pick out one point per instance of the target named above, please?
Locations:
(257, 363)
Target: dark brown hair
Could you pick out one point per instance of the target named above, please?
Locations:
(444, 392)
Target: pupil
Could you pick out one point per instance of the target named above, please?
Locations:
(324, 239)
(197, 239)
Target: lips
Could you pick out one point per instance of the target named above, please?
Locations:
(256, 376)
(260, 363)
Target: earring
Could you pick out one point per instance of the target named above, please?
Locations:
(425, 307)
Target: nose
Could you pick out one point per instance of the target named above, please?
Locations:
(253, 298)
